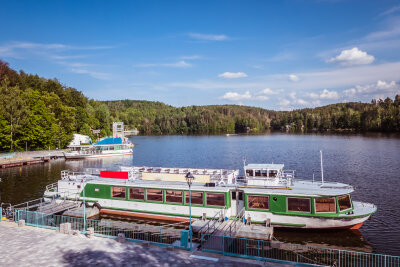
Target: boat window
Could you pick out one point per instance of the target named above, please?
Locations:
(264, 173)
(173, 196)
(196, 198)
(118, 192)
(136, 193)
(258, 202)
(273, 173)
(344, 202)
(233, 195)
(155, 195)
(327, 204)
(299, 204)
(216, 199)
(240, 195)
(258, 173)
(249, 172)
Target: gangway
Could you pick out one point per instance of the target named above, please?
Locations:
(213, 240)
(53, 205)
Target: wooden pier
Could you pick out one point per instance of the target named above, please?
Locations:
(29, 158)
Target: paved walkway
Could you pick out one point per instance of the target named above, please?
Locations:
(30, 246)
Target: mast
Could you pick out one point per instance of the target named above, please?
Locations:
(322, 168)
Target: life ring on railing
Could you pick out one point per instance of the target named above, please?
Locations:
(97, 205)
(87, 204)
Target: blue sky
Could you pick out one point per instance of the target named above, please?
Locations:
(278, 55)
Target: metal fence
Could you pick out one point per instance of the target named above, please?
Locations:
(300, 254)
(106, 228)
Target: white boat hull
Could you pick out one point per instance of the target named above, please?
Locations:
(125, 152)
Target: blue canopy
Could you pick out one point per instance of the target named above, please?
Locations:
(109, 141)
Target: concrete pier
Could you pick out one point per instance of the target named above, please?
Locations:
(30, 246)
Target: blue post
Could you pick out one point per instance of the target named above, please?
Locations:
(1, 214)
(223, 245)
(84, 207)
(133, 232)
(297, 253)
(190, 217)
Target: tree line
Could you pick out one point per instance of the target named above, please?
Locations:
(39, 113)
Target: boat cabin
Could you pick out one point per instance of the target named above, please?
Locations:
(267, 174)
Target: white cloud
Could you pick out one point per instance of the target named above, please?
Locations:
(326, 94)
(268, 91)
(94, 74)
(209, 37)
(261, 97)
(301, 102)
(232, 75)
(284, 102)
(192, 57)
(292, 95)
(179, 64)
(313, 95)
(316, 103)
(294, 78)
(390, 11)
(352, 57)
(376, 90)
(233, 96)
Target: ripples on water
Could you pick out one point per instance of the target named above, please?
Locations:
(370, 164)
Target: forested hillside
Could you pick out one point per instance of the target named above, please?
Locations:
(40, 113)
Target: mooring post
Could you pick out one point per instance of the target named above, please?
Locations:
(223, 245)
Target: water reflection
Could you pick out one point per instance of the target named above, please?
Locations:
(336, 239)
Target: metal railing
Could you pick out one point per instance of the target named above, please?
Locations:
(105, 228)
(289, 253)
(237, 222)
(211, 225)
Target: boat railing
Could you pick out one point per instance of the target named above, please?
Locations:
(288, 177)
(68, 175)
(211, 225)
(237, 222)
(52, 187)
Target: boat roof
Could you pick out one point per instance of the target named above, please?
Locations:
(298, 188)
(265, 166)
(109, 141)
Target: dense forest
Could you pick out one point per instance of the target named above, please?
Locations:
(40, 113)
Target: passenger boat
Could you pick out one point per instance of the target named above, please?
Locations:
(266, 192)
(107, 147)
(117, 145)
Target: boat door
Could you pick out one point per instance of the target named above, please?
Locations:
(237, 201)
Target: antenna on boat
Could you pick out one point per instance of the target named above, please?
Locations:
(322, 168)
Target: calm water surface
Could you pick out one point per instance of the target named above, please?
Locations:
(370, 164)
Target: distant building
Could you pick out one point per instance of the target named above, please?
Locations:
(80, 139)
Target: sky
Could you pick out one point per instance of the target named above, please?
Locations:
(279, 55)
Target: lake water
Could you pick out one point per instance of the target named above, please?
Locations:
(370, 163)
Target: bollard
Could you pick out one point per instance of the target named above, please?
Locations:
(204, 216)
(121, 238)
(67, 228)
(21, 223)
(61, 228)
(90, 232)
(249, 220)
(268, 223)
